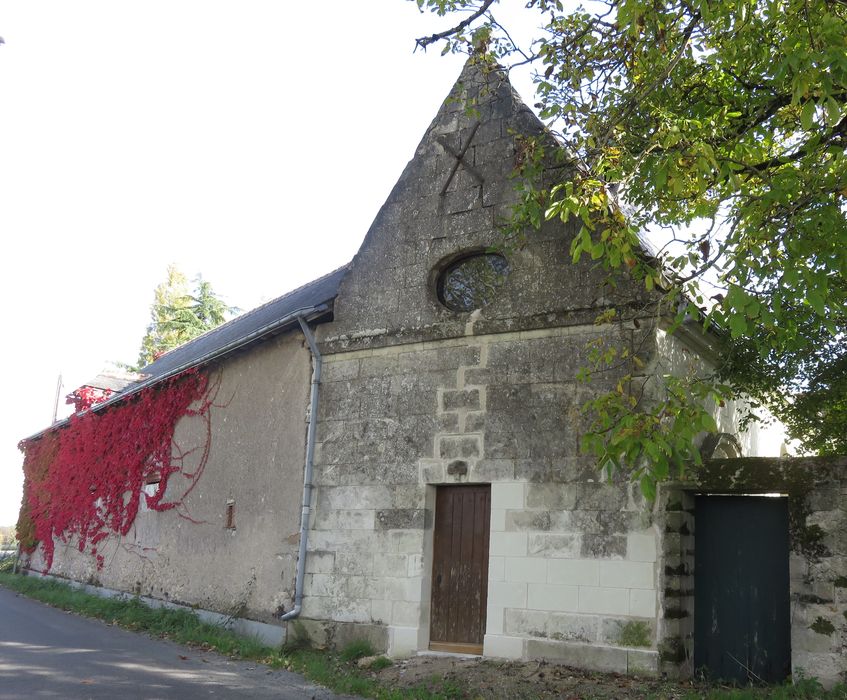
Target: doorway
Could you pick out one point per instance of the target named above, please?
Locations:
(460, 568)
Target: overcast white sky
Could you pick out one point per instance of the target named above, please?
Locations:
(252, 142)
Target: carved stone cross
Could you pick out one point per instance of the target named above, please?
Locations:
(460, 159)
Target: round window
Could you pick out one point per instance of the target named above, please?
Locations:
(471, 282)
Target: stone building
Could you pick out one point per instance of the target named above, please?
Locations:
(448, 505)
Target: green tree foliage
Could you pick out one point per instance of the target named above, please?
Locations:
(719, 127)
(177, 315)
(7, 537)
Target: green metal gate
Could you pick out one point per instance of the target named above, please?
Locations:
(742, 628)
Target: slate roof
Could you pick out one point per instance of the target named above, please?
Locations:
(113, 380)
(261, 322)
(280, 314)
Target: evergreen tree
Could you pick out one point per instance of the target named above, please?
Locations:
(177, 315)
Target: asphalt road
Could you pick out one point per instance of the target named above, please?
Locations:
(48, 653)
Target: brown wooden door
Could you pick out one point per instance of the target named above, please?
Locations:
(460, 568)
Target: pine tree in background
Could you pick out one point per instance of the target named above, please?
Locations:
(177, 316)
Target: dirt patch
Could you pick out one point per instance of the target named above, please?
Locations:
(507, 680)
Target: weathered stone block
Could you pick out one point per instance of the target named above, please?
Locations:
(377, 635)
(586, 656)
(805, 639)
(405, 613)
(475, 422)
(340, 370)
(613, 631)
(318, 562)
(393, 565)
(431, 471)
(608, 497)
(448, 423)
(538, 521)
(344, 520)
(642, 661)
(400, 519)
(408, 496)
(828, 668)
(339, 400)
(355, 563)
(381, 611)
(641, 547)
(572, 628)
(603, 546)
(323, 584)
(550, 496)
(558, 545)
(378, 366)
(525, 623)
(459, 446)
(414, 565)
(493, 470)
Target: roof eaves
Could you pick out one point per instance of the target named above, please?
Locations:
(307, 314)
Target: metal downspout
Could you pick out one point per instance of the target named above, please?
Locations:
(307, 472)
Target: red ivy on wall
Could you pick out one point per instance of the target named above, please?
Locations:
(85, 397)
(86, 478)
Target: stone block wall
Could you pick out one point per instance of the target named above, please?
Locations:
(573, 561)
(572, 575)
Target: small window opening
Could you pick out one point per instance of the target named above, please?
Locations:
(471, 282)
(230, 515)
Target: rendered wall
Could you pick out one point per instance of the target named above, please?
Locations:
(257, 451)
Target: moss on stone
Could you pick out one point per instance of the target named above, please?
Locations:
(822, 626)
(671, 651)
(840, 582)
(635, 633)
(797, 478)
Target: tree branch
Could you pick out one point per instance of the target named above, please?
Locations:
(425, 41)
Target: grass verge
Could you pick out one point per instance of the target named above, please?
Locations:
(336, 671)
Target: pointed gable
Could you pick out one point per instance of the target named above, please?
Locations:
(451, 201)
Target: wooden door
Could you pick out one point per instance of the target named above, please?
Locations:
(460, 568)
(742, 626)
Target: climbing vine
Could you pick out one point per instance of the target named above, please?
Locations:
(87, 396)
(85, 479)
